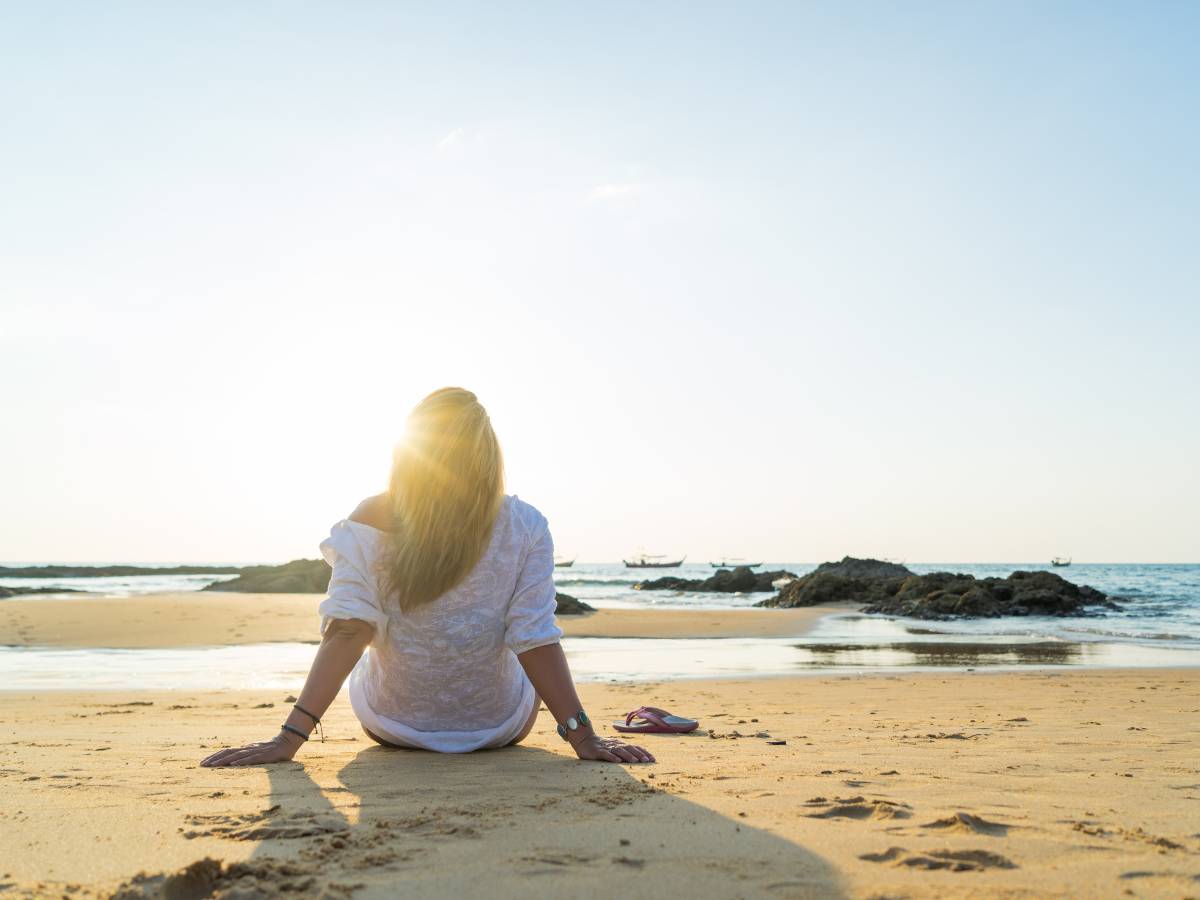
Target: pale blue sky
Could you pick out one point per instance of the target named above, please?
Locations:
(772, 280)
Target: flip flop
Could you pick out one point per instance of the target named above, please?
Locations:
(655, 721)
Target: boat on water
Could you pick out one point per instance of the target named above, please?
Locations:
(561, 563)
(653, 561)
(1061, 561)
(732, 562)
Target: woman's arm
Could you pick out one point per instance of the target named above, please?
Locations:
(547, 669)
(341, 647)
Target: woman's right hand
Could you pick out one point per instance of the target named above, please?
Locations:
(602, 749)
(280, 748)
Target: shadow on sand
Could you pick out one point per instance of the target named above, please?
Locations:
(509, 822)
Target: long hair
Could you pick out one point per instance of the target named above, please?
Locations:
(446, 488)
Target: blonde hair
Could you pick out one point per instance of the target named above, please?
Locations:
(446, 488)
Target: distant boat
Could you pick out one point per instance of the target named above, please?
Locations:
(560, 563)
(733, 563)
(653, 561)
(1061, 561)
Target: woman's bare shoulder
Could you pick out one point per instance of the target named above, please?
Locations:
(374, 511)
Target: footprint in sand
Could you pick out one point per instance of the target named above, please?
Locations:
(856, 808)
(253, 878)
(951, 860)
(968, 823)
(1138, 835)
(1181, 877)
(265, 825)
(558, 858)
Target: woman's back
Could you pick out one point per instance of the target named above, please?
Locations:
(444, 675)
(445, 625)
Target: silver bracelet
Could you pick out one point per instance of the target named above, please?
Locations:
(577, 721)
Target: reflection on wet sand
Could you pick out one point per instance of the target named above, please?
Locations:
(958, 654)
(256, 666)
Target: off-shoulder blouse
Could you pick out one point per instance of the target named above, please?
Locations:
(445, 676)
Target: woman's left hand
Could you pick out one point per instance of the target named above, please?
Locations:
(279, 749)
(602, 749)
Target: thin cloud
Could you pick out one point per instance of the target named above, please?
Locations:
(453, 138)
(602, 193)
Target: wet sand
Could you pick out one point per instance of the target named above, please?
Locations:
(209, 619)
(1083, 783)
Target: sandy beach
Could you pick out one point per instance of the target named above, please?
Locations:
(1041, 783)
(211, 619)
(1083, 784)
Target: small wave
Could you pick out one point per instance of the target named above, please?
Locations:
(1130, 634)
(1122, 629)
(598, 580)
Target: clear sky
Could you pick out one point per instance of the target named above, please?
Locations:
(786, 280)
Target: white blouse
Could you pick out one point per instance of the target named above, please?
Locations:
(445, 676)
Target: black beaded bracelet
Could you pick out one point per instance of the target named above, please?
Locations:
(295, 731)
(316, 721)
(300, 708)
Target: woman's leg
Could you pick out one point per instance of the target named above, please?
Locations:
(529, 723)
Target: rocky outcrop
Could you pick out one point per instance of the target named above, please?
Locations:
(6, 592)
(726, 581)
(943, 595)
(111, 571)
(300, 576)
(311, 576)
(851, 567)
(566, 605)
(849, 581)
(939, 595)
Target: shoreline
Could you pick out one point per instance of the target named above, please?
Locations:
(919, 785)
(251, 641)
(283, 666)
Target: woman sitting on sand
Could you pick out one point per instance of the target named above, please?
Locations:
(451, 584)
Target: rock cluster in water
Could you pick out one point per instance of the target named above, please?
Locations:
(6, 592)
(311, 576)
(726, 581)
(111, 571)
(892, 589)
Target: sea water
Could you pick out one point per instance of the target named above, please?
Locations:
(1159, 602)
(1157, 624)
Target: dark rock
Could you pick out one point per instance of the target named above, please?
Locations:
(110, 571)
(726, 581)
(862, 568)
(566, 605)
(300, 576)
(939, 595)
(311, 576)
(817, 588)
(6, 592)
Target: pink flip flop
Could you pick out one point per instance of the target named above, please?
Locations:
(655, 721)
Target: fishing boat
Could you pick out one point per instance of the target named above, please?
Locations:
(560, 563)
(653, 561)
(732, 562)
(1061, 561)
